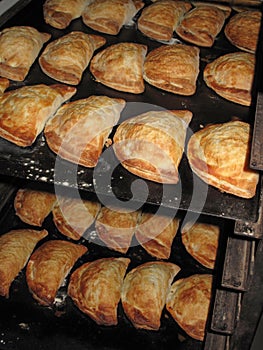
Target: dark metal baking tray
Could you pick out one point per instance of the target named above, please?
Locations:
(37, 163)
(26, 325)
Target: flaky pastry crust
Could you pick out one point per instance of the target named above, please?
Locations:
(151, 145)
(188, 303)
(144, 293)
(25, 110)
(19, 48)
(66, 58)
(173, 68)
(159, 20)
(33, 206)
(242, 30)
(231, 76)
(79, 129)
(48, 266)
(120, 67)
(219, 155)
(16, 246)
(95, 288)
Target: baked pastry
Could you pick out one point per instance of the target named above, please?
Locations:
(79, 137)
(16, 246)
(223, 7)
(159, 20)
(19, 48)
(156, 233)
(242, 30)
(60, 13)
(173, 68)
(201, 241)
(48, 266)
(66, 58)
(151, 144)
(109, 16)
(188, 303)
(115, 227)
(231, 76)
(73, 216)
(25, 110)
(4, 84)
(95, 288)
(32, 206)
(219, 155)
(201, 25)
(144, 293)
(120, 67)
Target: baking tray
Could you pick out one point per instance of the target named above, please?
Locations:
(109, 178)
(26, 325)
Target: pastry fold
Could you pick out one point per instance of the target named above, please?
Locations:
(144, 293)
(48, 266)
(79, 129)
(19, 48)
(151, 144)
(25, 110)
(95, 288)
(219, 155)
(16, 246)
(66, 58)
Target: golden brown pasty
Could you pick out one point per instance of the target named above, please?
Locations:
(188, 303)
(159, 20)
(144, 293)
(4, 84)
(151, 144)
(95, 288)
(73, 216)
(156, 233)
(79, 129)
(32, 206)
(173, 68)
(225, 8)
(201, 25)
(66, 58)
(231, 76)
(115, 227)
(201, 241)
(19, 47)
(24, 111)
(120, 67)
(242, 30)
(16, 246)
(48, 266)
(60, 13)
(109, 16)
(219, 155)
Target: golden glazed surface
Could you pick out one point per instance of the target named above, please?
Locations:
(219, 155)
(95, 288)
(188, 303)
